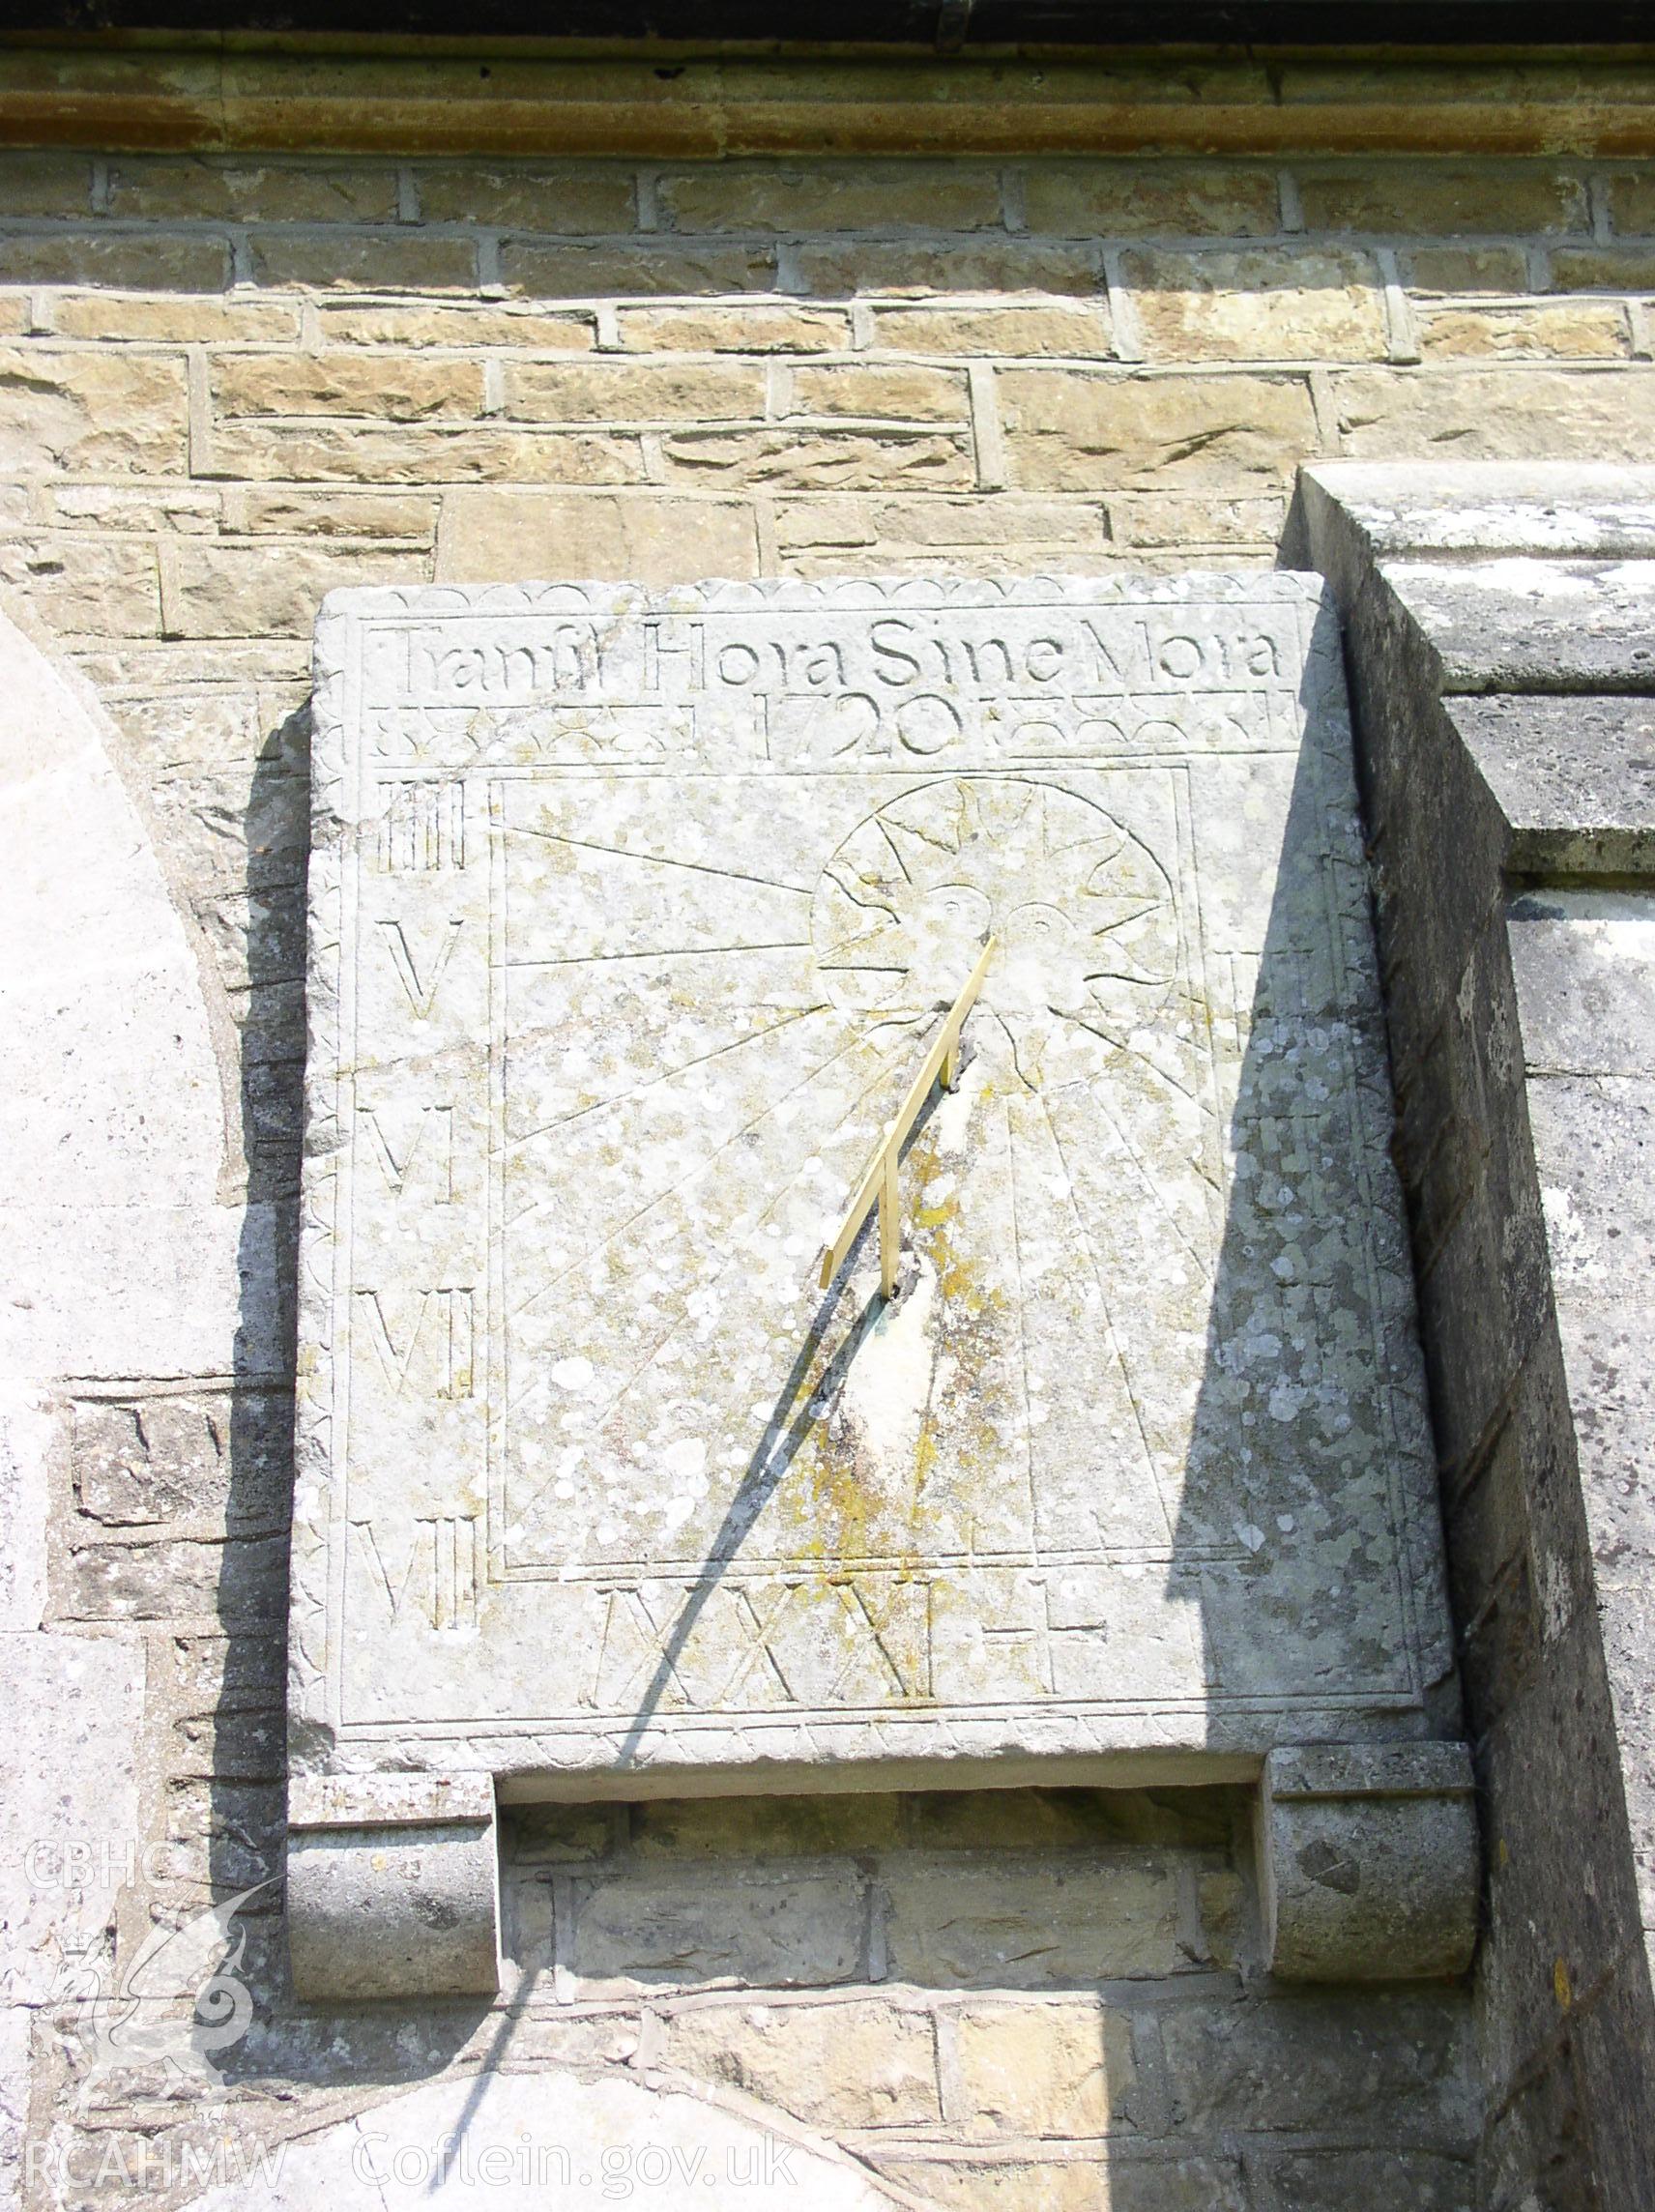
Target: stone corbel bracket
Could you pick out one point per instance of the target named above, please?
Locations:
(392, 1887)
(1368, 1861)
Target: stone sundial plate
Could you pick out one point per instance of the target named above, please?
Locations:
(632, 916)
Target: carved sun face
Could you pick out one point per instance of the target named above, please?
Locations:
(1083, 913)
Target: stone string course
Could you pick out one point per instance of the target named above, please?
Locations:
(227, 387)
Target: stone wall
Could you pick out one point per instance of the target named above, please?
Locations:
(1496, 628)
(229, 385)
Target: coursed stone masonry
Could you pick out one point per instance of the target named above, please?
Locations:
(175, 548)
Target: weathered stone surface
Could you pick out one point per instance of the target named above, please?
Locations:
(1522, 625)
(788, 1930)
(1584, 967)
(392, 1888)
(1058, 2069)
(106, 1196)
(69, 1814)
(842, 2066)
(1262, 304)
(1579, 330)
(1543, 1439)
(1089, 2183)
(509, 2142)
(1415, 196)
(1032, 1926)
(631, 916)
(1066, 430)
(1338, 2180)
(1291, 2065)
(1574, 776)
(1368, 1862)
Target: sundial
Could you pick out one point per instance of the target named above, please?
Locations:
(634, 918)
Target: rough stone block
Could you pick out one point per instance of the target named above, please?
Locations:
(841, 195)
(1034, 1926)
(97, 584)
(1055, 2068)
(784, 1931)
(824, 459)
(194, 509)
(650, 537)
(1632, 199)
(1263, 303)
(770, 1827)
(47, 181)
(139, 1461)
(175, 318)
(574, 271)
(1066, 430)
(582, 197)
(1595, 414)
(560, 1835)
(107, 413)
(1466, 269)
(627, 392)
(1056, 1820)
(1339, 2180)
(399, 388)
(1086, 2183)
(1288, 2064)
(333, 258)
(1134, 199)
(935, 526)
(1368, 1862)
(128, 260)
(345, 452)
(454, 325)
(856, 2065)
(206, 188)
(240, 591)
(906, 394)
(1582, 330)
(1184, 521)
(410, 518)
(1629, 267)
(1068, 331)
(966, 264)
(1407, 197)
(758, 326)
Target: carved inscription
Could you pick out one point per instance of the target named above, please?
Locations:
(645, 906)
(421, 831)
(423, 1339)
(420, 974)
(439, 1569)
(425, 1135)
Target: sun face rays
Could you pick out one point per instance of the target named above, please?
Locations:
(701, 1055)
